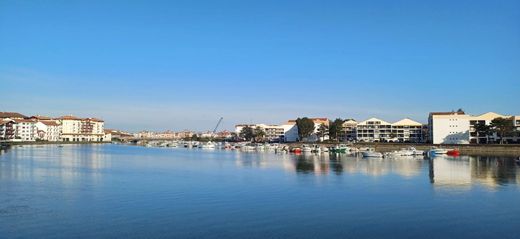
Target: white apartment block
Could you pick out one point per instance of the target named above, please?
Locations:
(7, 130)
(48, 130)
(26, 130)
(76, 129)
(318, 122)
(348, 132)
(376, 130)
(458, 127)
(280, 133)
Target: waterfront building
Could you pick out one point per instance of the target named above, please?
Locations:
(48, 130)
(373, 130)
(107, 137)
(348, 131)
(274, 133)
(76, 129)
(7, 130)
(318, 122)
(459, 128)
(26, 130)
(377, 130)
(407, 130)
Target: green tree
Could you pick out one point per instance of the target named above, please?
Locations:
(335, 128)
(247, 133)
(305, 127)
(503, 127)
(259, 134)
(482, 130)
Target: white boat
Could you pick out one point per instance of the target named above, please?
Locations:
(371, 153)
(324, 149)
(248, 147)
(306, 148)
(208, 145)
(436, 150)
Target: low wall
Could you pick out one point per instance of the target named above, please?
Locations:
(510, 150)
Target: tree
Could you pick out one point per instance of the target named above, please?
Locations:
(502, 127)
(247, 133)
(482, 129)
(335, 128)
(305, 127)
(322, 131)
(259, 134)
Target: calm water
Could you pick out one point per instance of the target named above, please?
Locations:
(115, 191)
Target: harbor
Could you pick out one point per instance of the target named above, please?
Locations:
(157, 192)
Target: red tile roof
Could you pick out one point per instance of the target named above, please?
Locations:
(13, 115)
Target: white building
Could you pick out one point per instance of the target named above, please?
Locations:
(279, 133)
(449, 127)
(348, 132)
(76, 129)
(26, 130)
(373, 130)
(7, 130)
(376, 130)
(48, 130)
(458, 127)
(318, 122)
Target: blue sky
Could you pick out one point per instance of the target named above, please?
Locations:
(183, 64)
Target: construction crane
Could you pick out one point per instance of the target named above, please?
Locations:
(218, 124)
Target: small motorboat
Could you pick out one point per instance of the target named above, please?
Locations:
(371, 153)
(306, 149)
(453, 152)
(436, 150)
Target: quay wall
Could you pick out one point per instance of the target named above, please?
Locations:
(510, 150)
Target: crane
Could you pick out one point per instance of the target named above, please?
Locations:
(218, 124)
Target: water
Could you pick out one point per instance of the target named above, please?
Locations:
(117, 191)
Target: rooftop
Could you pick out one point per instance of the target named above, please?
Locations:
(13, 115)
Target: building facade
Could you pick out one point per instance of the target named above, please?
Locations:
(459, 128)
(48, 130)
(7, 130)
(26, 130)
(76, 129)
(377, 130)
(274, 133)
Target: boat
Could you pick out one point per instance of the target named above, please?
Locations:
(296, 150)
(306, 148)
(453, 152)
(208, 145)
(436, 150)
(371, 153)
(342, 148)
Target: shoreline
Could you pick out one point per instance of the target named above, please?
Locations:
(465, 149)
(49, 143)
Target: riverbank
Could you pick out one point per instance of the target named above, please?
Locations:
(482, 150)
(48, 143)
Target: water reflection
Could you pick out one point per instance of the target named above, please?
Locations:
(443, 172)
(67, 163)
(467, 171)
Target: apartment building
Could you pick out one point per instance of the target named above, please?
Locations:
(76, 129)
(278, 133)
(377, 130)
(459, 127)
(7, 130)
(348, 132)
(318, 122)
(48, 130)
(26, 130)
